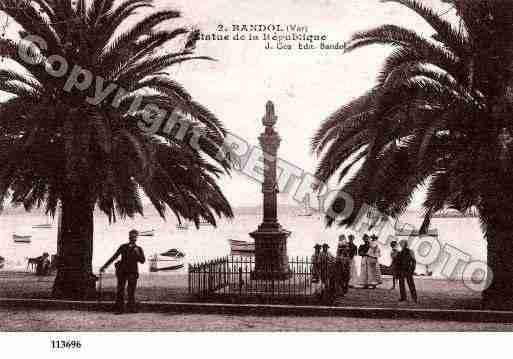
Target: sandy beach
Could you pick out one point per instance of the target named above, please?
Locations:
(433, 293)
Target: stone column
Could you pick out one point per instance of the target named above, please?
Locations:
(271, 261)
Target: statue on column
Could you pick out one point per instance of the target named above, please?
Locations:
(271, 260)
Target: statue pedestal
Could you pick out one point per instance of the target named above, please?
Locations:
(271, 260)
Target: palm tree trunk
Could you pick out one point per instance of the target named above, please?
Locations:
(498, 218)
(75, 279)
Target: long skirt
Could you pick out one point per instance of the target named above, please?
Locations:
(353, 274)
(368, 273)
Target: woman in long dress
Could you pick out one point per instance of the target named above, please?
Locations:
(373, 270)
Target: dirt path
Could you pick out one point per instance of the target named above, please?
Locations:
(154, 287)
(37, 320)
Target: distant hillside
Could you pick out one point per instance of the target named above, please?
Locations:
(149, 211)
(283, 209)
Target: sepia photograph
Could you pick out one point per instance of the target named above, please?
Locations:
(234, 166)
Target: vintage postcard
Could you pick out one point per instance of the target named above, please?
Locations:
(242, 165)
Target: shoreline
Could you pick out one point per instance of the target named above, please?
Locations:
(433, 293)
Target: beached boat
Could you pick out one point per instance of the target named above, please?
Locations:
(171, 260)
(415, 233)
(453, 213)
(307, 210)
(21, 239)
(149, 233)
(241, 246)
(42, 226)
(182, 226)
(46, 225)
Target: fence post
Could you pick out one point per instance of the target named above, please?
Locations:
(272, 280)
(240, 280)
(189, 278)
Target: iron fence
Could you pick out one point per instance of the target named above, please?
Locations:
(233, 277)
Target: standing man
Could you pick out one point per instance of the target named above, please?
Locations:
(315, 263)
(394, 253)
(406, 266)
(127, 271)
(326, 259)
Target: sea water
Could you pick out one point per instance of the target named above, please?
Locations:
(208, 242)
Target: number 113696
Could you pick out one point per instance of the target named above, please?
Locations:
(65, 344)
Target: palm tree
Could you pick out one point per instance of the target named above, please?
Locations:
(57, 147)
(436, 118)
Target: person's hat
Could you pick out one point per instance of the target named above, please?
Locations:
(317, 246)
(374, 237)
(133, 231)
(342, 240)
(325, 245)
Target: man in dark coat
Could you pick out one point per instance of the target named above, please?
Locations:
(364, 248)
(352, 247)
(325, 260)
(406, 267)
(127, 271)
(43, 264)
(316, 263)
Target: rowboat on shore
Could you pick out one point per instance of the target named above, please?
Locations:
(47, 225)
(149, 233)
(182, 226)
(21, 239)
(307, 210)
(42, 226)
(415, 233)
(171, 260)
(241, 246)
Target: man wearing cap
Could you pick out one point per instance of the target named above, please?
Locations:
(127, 271)
(315, 263)
(326, 259)
(406, 266)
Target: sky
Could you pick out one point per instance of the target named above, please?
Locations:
(306, 86)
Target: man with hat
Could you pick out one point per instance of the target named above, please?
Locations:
(342, 242)
(406, 267)
(315, 263)
(326, 259)
(342, 267)
(127, 271)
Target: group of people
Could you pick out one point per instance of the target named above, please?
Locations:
(335, 273)
(338, 273)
